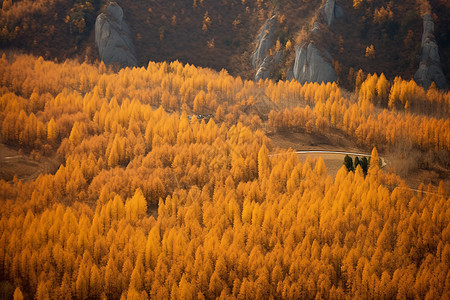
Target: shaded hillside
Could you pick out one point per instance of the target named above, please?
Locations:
(441, 9)
(221, 34)
(53, 29)
(204, 33)
(377, 37)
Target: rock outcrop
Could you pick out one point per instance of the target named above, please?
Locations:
(262, 61)
(113, 37)
(315, 27)
(430, 69)
(310, 65)
(264, 41)
(264, 69)
(332, 11)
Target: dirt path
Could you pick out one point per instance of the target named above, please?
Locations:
(333, 159)
(383, 160)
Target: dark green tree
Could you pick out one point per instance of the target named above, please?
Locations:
(364, 164)
(348, 162)
(357, 162)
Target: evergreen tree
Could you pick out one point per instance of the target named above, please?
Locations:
(357, 162)
(348, 163)
(364, 164)
(18, 294)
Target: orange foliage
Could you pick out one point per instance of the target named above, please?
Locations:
(369, 126)
(153, 205)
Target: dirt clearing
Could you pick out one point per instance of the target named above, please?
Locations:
(14, 162)
(336, 141)
(333, 141)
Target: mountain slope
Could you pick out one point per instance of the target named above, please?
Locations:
(375, 36)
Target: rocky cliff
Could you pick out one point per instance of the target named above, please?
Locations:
(264, 41)
(311, 66)
(332, 11)
(310, 63)
(113, 37)
(430, 69)
(261, 59)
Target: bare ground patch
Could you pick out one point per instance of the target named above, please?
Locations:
(15, 163)
(335, 141)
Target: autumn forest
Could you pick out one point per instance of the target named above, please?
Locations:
(151, 201)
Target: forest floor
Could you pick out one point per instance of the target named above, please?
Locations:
(14, 162)
(334, 140)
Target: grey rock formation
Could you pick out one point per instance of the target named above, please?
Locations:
(338, 12)
(428, 27)
(264, 41)
(427, 74)
(310, 65)
(430, 69)
(315, 28)
(261, 60)
(332, 11)
(264, 69)
(290, 74)
(277, 57)
(113, 37)
(329, 11)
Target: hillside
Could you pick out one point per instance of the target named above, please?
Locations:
(151, 203)
(166, 171)
(221, 34)
(442, 23)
